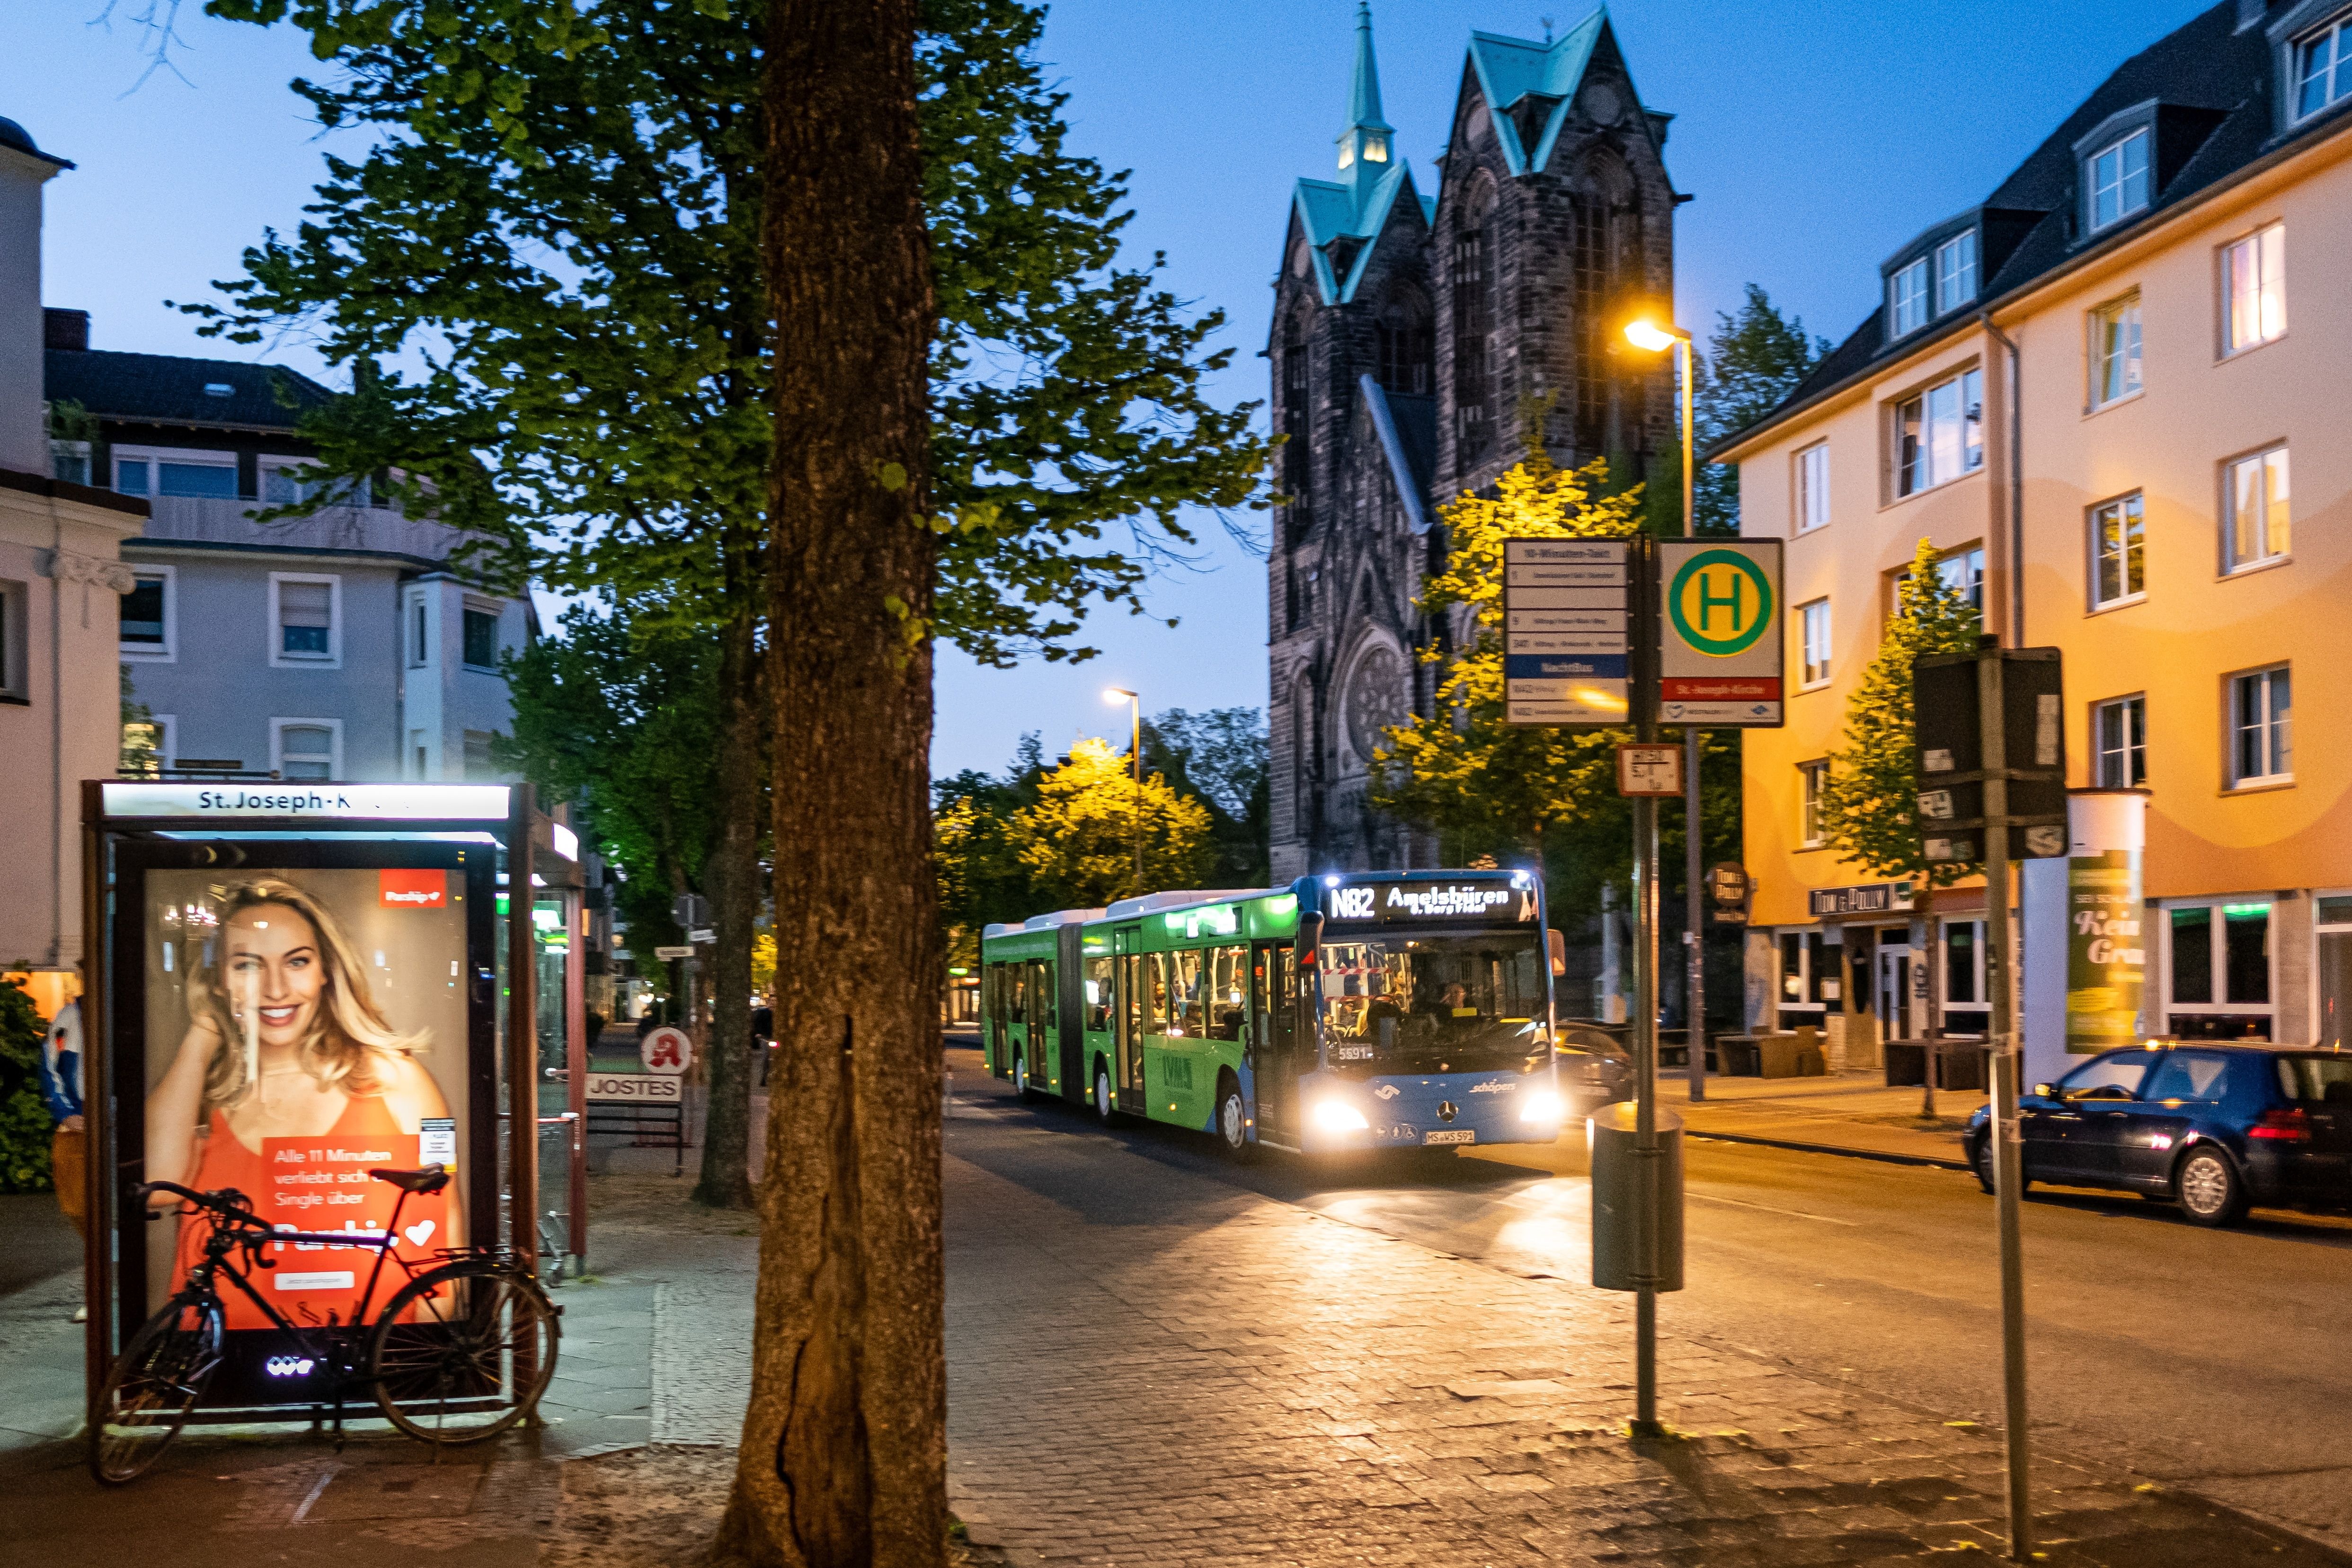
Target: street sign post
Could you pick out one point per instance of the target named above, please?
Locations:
(666, 954)
(1991, 767)
(1654, 770)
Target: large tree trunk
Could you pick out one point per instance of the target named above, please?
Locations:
(844, 1455)
(732, 874)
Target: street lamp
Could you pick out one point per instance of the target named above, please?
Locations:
(1643, 333)
(1120, 694)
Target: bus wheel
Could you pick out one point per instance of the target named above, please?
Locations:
(1105, 1104)
(1232, 1124)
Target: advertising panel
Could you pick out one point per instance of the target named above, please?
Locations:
(303, 1023)
(2106, 961)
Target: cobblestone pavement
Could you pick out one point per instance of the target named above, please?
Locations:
(1151, 1366)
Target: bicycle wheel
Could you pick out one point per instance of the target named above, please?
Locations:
(474, 1359)
(154, 1384)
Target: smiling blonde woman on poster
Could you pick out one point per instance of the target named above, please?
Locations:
(285, 1041)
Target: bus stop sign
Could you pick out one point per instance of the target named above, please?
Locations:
(1720, 653)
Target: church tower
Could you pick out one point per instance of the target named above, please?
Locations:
(1414, 337)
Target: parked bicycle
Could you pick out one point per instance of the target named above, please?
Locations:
(460, 1353)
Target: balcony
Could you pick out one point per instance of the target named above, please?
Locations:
(210, 520)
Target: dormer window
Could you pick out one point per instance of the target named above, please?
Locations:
(2119, 180)
(1906, 298)
(2323, 70)
(1956, 271)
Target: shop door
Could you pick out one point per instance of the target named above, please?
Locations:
(1893, 994)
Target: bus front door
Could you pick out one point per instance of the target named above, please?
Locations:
(1128, 1068)
(1274, 1035)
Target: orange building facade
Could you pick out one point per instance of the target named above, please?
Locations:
(2115, 398)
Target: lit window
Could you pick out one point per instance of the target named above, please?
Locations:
(2261, 734)
(1940, 434)
(2323, 70)
(1906, 298)
(1814, 487)
(1814, 620)
(2119, 180)
(2119, 730)
(2253, 289)
(1956, 271)
(2254, 494)
(2119, 558)
(2114, 351)
(2218, 958)
(1811, 776)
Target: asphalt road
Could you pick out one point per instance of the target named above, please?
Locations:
(2215, 1361)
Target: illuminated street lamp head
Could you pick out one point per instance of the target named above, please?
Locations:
(1114, 694)
(1657, 339)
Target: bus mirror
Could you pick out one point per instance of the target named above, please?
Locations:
(1558, 943)
(1311, 937)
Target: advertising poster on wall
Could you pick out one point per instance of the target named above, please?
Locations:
(2106, 959)
(302, 1026)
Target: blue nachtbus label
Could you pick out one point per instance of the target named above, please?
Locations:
(1566, 666)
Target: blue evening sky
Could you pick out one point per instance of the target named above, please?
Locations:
(1816, 139)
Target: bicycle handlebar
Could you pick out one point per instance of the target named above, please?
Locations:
(260, 1231)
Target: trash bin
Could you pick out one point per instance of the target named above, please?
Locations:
(1622, 1199)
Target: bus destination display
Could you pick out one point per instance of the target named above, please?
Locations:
(1498, 903)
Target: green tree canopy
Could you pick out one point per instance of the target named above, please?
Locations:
(1221, 755)
(1869, 800)
(1078, 840)
(1754, 360)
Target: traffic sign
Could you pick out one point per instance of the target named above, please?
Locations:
(1567, 631)
(666, 1049)
(1650, 770)
(1720, 652)
(666, 954)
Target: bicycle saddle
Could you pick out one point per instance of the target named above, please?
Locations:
(432, 1179)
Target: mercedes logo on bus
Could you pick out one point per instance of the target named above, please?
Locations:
(1447, 1110)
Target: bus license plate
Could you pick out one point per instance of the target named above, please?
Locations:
(1457, 1136)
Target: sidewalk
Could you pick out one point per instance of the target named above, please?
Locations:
(1842, 1112)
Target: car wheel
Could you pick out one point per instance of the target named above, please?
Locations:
(1105, 1104)
(2209, 1188)
(1233, 1124)
(1980, 1161)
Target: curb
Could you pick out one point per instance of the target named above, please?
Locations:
(1883, 1157)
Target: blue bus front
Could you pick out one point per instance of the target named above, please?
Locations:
(1434, 1013)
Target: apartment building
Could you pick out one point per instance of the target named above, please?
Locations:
(2112, 396)
(351, 643)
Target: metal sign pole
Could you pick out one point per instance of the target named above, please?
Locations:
(1644, 695)
(2008, 1165)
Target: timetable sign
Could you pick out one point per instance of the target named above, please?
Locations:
(1567, 631)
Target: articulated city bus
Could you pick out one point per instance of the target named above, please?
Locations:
(1370, 1010)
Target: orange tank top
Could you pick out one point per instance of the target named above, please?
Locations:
(228, 1163)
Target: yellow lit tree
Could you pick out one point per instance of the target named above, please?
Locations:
(1077, 842)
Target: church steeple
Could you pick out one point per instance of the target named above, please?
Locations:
(1365, 146)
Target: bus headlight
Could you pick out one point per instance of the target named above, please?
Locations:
(1338, 1117)
(1541, 1105)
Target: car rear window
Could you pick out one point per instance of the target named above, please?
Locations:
(2320, 1079)
(2190, 1075)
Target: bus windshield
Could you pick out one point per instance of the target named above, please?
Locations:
(1458, 1002)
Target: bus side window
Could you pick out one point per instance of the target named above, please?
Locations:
(1099, 987)
(1227, 993)
(1155, 993)
(1041, 977)
(1184, 1015)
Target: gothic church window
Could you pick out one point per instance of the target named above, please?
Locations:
(1407, 344)
(1375, 700)
(1603, 264)
(1297, 464)
(1473, 327)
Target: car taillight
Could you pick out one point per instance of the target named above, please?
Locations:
(2281, 1126)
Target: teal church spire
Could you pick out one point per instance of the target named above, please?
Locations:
(1365, 147)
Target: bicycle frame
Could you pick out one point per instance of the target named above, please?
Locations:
(217, 1259)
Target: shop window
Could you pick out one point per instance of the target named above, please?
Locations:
(2219, 970)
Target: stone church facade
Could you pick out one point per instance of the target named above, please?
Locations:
(1415, 335)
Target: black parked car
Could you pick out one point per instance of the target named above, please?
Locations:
(2211, 1127)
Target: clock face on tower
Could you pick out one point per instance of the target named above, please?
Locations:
(1600, 104)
